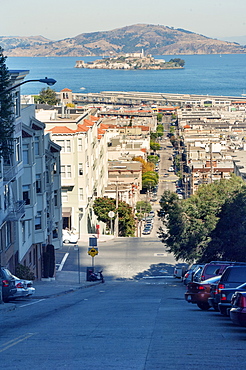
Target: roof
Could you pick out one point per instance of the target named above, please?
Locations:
(61, 130)
(66, 89)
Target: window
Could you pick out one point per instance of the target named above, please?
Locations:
(66, 171)
(55, 198)
(62, 144)
(26, 194)
(38, 184)
(64, 195)
(65, 145)
(68, 146)
(38, 219)
(25, 151)
(81, 194)
(16, 99)
(36, 145)
(17, 150)
(80, 145)
(69, 171)
(6, 196)
(80, 169)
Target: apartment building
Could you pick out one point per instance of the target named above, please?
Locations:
(84, 166)
(30, 198)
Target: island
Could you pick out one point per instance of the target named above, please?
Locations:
(132, 61)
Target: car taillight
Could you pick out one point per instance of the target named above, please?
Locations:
(186, 275)
(5, 283)
(202, 277)
(19, 285)
(219, 287)
(242, 301)
(223, 297)
(201, 287)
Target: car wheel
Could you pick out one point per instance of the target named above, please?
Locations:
(203, 306)
(66, 241)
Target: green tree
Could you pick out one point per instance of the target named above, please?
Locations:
(6, 111)
(177, 61)
(228, 239)
(152, 158)
(154, 146)
(101, 208)
(46, 96)
(159, 117)
(189, 223)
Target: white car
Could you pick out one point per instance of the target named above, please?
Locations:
(170, 169)
(69, 236)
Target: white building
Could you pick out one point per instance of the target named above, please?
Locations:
(84, 167)
(30, 198)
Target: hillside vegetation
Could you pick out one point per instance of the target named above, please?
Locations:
(153, 39)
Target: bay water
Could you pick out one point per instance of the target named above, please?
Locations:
(220, 75)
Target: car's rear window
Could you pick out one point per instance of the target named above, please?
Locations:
(235, 274)
(211, 269)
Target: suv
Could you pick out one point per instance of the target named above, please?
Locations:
(214, 268)
(8, 284)
(233, 277)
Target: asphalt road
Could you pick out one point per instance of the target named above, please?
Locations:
(140, 324)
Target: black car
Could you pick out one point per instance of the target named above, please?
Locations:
(232, 277)
(8, 285)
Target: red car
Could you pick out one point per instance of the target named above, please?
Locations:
(238, 310)
(199, 292)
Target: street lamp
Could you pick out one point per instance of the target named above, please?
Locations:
(46, 80)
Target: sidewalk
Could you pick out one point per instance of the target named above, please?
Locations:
(65, 282)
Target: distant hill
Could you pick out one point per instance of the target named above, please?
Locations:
(154, 39)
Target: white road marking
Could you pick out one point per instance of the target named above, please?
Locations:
(29, 304)
(63, 261)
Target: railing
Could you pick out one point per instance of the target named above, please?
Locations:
(16, 211)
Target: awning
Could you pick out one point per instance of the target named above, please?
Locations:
(66, 211)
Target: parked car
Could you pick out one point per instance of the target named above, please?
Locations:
(161, 213)
(199, 292)
(225, 304)
(69, 236)
(179, 270)
(232, 277)
(214, 268)
(188, 277)
(170, 169)
(238, 310)
(24, 288)
(8, 285)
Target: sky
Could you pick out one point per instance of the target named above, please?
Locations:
(59, 19)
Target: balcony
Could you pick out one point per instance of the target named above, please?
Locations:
(16, 211)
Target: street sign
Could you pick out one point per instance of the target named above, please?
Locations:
(92, 251)
(111, 214)
(93, 242)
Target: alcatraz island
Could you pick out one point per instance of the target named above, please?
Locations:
(132, 61)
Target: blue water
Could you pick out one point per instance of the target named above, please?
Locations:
(223, 75)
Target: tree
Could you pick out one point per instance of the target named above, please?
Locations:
(153, 159)
(6, 111)
(142, 207)
(177, 61)
(159, 117)
(146, 165)
(154, 146)
(189, 223)
(46, 96)
(228, 239)
(103, 205)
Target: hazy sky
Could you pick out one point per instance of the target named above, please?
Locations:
(58, 19)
